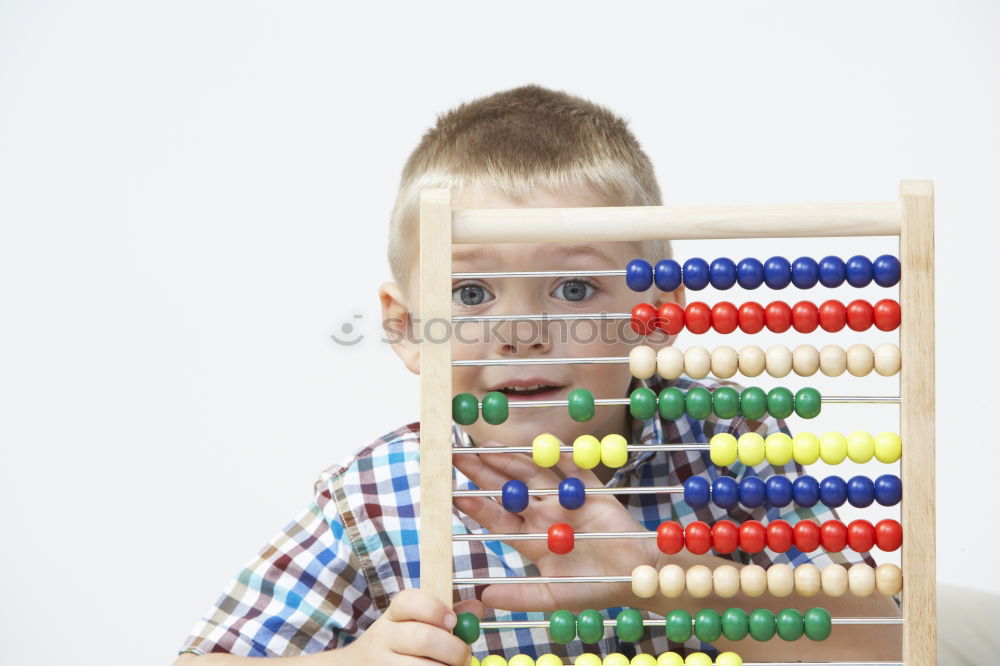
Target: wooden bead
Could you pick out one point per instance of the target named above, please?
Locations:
(888, 359)
(861, 580)
(780, 580)
(807, 580)
(753, 580)
(888, 579)
(725, 362)
(751, 360)
(645, 581)
(805, 360)
(670, 362)
(672, 581)
(697, 362)
(699, 581)
(834, 580)
(642, 362)
(726, 581)
(832, 360)
(778, 361)
(860, 360)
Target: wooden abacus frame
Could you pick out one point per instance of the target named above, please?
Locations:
(911, 218)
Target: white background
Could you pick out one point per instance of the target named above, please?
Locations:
(194, 196)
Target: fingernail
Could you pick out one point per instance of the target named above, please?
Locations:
(450, 620)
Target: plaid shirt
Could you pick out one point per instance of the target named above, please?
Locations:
(332, 571)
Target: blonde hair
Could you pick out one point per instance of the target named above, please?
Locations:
(516, 142)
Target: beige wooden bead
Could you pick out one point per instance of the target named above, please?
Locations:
(753, 580)
(699, 581)
(697, 362)
(887, 359)
(645, 581)
(778, 360)
(807, 580)
(726, 581)
(834, 580)
(752, 361)
(860, 360)
(724, 362)
(672, 581)
(861, 580)
(642, 362)
(888, 579)
(832, 360)
(670, 362)
(780, 580)
(805, 360)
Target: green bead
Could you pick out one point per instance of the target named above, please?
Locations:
(581, 405)
(495, 408)
(671, 403)
(467, 628)
(562, 627)
(642, 403)
(780, 403)
(708, 625)
(628, 625)
(464, 409)
(726, 402)
(762, 625)
(790, 624)
(734, 624)
(678, 625)
(753, 403)
(590, 626)
(808, 403)
(817, 624)
(698, 403)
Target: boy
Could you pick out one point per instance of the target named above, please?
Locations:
(335, 586)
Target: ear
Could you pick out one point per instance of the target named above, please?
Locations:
(398, 325)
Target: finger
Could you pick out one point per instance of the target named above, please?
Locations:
(490, 514)
(474, 606)
(521, 466)
(418, 639)
(480, 472)
(529, 596)
(570, 468)
(416, 605)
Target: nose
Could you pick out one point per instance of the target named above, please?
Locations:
(520, 337)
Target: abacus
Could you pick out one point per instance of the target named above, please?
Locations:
(910, 218)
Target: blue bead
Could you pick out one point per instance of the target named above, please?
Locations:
(779, 491)
(805, 272)
(722, 273)
(639, 275)
(777, 273)
(696, 491)
(695, 273)
(571, 493)
(667, 275)
(750, 273)
(805, 491)
(832, 271)
(514, 496)
(833, 491)
(859, 271)
(886, 270)
(888, 490)
(725, 492)
(752, 492)
(860, 491)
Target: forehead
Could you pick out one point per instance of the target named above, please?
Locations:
(569, 256)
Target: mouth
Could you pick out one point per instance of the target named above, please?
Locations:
(531, 390)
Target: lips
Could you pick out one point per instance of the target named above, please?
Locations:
(533, 388)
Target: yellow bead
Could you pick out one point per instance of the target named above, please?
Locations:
(888, 447)
(473, 662)
(751, 449)
(670, 659)
(545, 450)
(860, 446)
(587, 659)
(805, 448)
(778, 448)
(521, 660)
(549, 660)
(616, 659)
(698, 659)
(833, 448)
(586, 452)
(614, 451)
(643, 660)
(722, 449)
(728, 659)
(494, 660)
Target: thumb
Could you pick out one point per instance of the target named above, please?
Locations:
(474, 606)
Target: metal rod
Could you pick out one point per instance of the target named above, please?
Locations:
(610, 316)
(538, 536)
(618, 272)
(569, 449)
(829, 400)
(544, 361)
(634, 490)
(544, 624)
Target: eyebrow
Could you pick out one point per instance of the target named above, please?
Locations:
(571, 252)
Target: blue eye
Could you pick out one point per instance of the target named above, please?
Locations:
(470, 294)
(575, 290)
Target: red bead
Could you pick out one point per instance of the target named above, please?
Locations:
(698, 317)
(805, 317)
(859, 315)
(670, 537)
(807, 537)
(753, 537)
(751, 317)
(560, 538)
(724, 317)
(725, 537)
(886, 315)
(698, 537)
(644, 319)
(778, 317)
(860, 536)
(670, 318)
(833, 536)
(888, 534)
(780, 536)
(832, 316)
